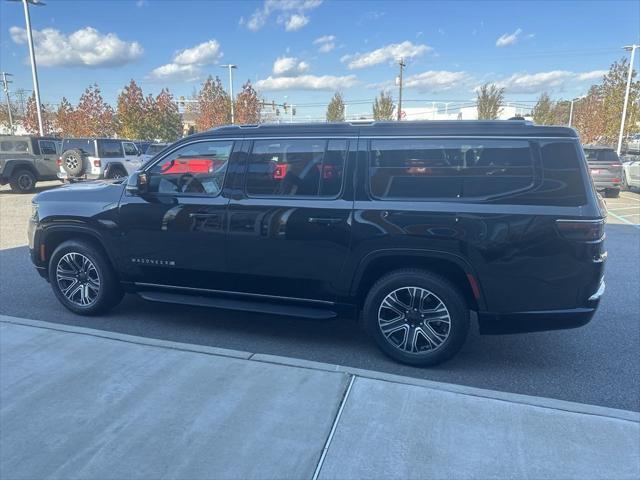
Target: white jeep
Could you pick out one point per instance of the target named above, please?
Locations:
(93, 158)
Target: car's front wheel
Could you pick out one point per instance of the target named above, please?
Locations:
(82, 278)
(416, 317)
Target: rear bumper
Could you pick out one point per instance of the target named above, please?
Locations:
(607, 184)
(539, 321)
(63, 176)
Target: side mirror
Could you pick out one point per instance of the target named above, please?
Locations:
(138, 183)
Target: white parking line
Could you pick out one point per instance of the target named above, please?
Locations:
(624, 220)
(634, 198)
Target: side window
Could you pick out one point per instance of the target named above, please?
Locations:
(130, 149)
(196, 168)
(20, 146)
(110, 149)
(296, 168)
(47, 147)
(431, 169)
(6, 146)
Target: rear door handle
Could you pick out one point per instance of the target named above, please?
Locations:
(325, 221)
(204, 215)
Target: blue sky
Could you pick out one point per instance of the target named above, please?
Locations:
(307, 49)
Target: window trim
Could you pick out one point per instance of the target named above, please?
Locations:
(326, 139)
(535, 178)
(235, 143)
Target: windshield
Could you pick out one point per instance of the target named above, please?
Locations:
(88, 146)
(601, 155)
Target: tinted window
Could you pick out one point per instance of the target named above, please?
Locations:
(154, 148)
(86, 145)
(6, 146)
(300, 168)
(197, 168)
(601, 155)
(130, 149)
(431, 168)
(47, 147)
(110, 149)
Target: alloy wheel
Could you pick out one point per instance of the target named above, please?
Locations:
(25, 182)
(72, 161)
(78, 279)
(414, 320)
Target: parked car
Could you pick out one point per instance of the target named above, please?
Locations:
(605, 168)
(26, 160)
(633, 143)
(152, 150)
(94, 158)
(409, 225)
(631, 171)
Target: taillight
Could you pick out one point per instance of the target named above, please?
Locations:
(59, 161)
(96, 163)
(581, 230)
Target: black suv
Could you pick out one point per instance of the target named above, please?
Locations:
(413, 225)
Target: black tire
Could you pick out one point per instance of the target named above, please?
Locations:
(612, 192)
(116, 172)
(73, 162)
(109, 292)
(441, 291)
(23, 181)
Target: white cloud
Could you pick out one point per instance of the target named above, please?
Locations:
(290, 13)
(391, 52)
(206, 53)
(326, 43)
(545, 81)
(86, 47)
(289, 67)
(509, 38)
(432, 80)
(187, 64)
(295, 22)
(175, 72)
(307, 82)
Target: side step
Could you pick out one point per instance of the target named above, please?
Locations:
(242, 305)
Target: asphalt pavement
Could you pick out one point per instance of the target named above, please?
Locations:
(597, 364)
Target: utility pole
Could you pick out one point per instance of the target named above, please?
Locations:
(5, 88)
(401, 64)
(34, 70)
(230, 67)
(631, 48)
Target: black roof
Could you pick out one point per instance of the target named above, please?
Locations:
(451, 127)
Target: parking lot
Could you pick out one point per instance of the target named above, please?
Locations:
(597, 364)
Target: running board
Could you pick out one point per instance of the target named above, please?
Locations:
(242, 305)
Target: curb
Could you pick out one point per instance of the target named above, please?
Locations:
(542, 402)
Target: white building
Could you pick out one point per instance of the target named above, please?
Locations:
(440, 111)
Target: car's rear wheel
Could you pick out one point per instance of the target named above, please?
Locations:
(612, 192)
(23, 181)
(82, 278)
(416, 317)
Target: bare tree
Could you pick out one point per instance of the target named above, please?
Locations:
(489, 100)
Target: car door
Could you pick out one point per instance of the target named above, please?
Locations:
(46, 162)
(290, 223)
(173, 235)
(132, 157)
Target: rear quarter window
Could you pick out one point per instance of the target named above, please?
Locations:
(431, 169)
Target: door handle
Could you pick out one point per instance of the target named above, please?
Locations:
(325, 221)
(204, 215)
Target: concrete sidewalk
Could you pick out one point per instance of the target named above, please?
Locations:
(80, 403)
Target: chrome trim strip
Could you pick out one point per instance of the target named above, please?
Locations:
(225, 292)
(599, 293)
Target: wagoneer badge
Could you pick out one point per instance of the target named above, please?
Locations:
(152, 261)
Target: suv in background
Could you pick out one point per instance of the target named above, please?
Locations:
(605, 168)
(26, 160)
(409, 226)
(93, 158)
(152, 150)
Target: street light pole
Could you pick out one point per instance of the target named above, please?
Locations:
(34, 70)
(626, 95)
(401, 64)
(231, 67)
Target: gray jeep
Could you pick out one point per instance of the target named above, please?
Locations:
(25, 160)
